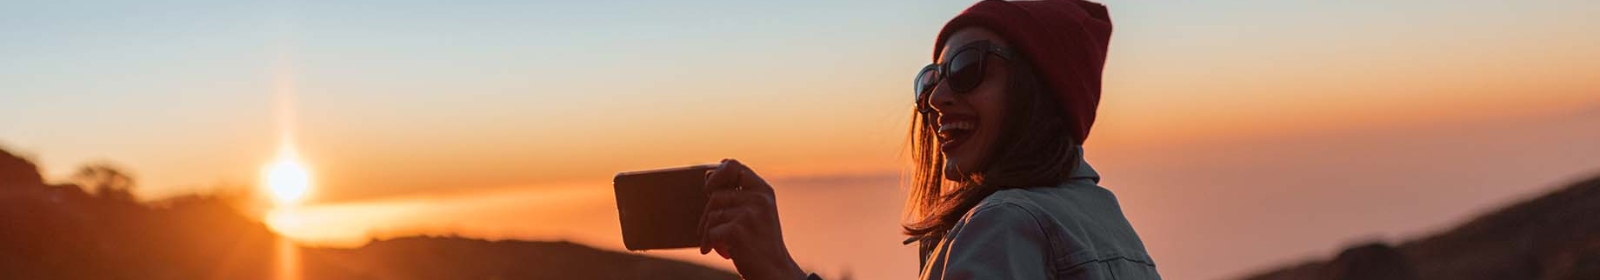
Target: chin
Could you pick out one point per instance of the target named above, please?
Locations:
(952, 171)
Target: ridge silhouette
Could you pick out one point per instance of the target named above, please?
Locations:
(1555, 236)
(63, 232)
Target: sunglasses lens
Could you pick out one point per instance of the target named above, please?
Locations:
(925, 81)
(966, 71)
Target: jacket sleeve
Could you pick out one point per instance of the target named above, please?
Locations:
(998, 241)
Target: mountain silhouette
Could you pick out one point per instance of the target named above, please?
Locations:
(64, 232)
(1555, 236)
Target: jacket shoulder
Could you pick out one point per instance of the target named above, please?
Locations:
(1084, 226)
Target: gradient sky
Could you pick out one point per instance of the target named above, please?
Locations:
(426, 98)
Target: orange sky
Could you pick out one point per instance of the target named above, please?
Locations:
(416, 114)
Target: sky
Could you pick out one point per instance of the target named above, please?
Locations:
(1217, 115)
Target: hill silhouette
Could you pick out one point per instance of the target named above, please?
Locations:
(65, 232)
(1555, 236)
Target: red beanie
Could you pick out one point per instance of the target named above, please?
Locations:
(1065, 40)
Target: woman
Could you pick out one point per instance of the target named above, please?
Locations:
(1001, 190)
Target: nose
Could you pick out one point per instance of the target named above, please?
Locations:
(942, 98)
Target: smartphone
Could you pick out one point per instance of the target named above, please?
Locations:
(660, 209)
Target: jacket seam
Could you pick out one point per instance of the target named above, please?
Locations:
(1106, 260)
(1039, 225)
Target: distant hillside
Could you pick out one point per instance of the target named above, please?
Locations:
(64, 232)
(1553, 237)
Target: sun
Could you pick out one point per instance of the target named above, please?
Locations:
(287, 181)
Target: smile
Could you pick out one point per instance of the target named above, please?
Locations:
(953, 134)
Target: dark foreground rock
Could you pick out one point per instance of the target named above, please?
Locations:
(1553, 237)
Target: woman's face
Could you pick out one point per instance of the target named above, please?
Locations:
(968, 123)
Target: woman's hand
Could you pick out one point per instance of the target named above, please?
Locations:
(741, 223)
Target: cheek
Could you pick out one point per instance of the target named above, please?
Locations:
(989, 104)
(989, 99)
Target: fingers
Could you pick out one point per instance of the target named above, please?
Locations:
(733, 217)
(715, 234)
(752, 182)
(739, 199)
(725, 237)
(704, 217)
(715, 214)
(721, 178)
(723, 216)
(732, 174)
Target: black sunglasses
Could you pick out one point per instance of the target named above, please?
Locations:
(963, 70)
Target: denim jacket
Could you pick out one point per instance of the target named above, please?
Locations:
(1074, 230)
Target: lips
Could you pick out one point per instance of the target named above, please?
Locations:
(954, 130)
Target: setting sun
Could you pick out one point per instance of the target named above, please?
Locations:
(287, 180)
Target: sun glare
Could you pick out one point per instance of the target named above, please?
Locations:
(287, 181)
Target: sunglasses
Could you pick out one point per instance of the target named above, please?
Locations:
(964, 71)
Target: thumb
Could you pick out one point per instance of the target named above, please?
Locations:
(749, 180)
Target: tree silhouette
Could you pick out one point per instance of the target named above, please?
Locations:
(105, 181)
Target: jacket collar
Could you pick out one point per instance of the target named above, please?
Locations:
(1083, 171)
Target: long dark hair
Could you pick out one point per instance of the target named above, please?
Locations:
(1035, 148)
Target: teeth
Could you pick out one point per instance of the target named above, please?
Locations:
(957, 126)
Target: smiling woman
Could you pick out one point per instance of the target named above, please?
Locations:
(286, 180)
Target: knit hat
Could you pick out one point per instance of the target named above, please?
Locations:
(1064, 40)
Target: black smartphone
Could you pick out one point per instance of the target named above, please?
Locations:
(660, 209)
